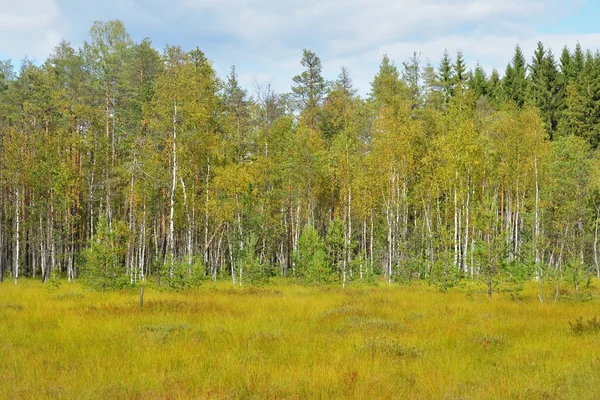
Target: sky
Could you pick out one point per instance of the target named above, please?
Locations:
(264, 38)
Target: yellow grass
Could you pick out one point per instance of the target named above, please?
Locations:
(285, 341)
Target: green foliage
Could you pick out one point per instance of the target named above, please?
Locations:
(576, 274)
(387, 86)
(53, 283)
(335, 244)
(180, 275)
(311, 258)
(446, 76)
(443, 275)
(309, 87)
(103, 260)
(252, 270)
(362, 269)
(515, 82)
(440, 173)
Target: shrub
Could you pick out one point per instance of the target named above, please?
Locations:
(103, 259)
(180, 276)
(311, 258)
(251, 269)
(581, 327)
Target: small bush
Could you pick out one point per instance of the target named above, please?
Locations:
(251, 270)
(310, 259)
(104, 258)
(581, 327)
(179, 276)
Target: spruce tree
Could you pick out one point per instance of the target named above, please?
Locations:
(461, 74)
(515, 79)
(446, 76)
(543, 88)
(478, 82)
(387, 84)
(494, 87)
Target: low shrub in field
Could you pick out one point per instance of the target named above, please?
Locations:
(581, 327)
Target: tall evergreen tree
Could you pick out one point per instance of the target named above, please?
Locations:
(544, 87)
(411, 75)
(446, 76)
(387, 84)
(310, 86)
(479, 82)
(461, 74)
(515, 79)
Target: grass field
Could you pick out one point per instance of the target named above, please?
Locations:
(286, 341)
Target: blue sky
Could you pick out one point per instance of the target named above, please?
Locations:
(265, 38)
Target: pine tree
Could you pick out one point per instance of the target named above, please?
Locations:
(310, 87)
(411, 76)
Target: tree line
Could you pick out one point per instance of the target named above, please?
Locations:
(119, 163)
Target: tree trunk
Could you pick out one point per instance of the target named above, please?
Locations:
(17, 236)
(170, 237)
(189, 227)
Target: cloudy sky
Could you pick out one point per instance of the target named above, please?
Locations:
(265, 38)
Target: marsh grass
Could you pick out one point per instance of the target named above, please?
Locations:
(294, 342)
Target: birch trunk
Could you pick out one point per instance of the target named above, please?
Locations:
(17, 236)
(189, 227)
(170, 237)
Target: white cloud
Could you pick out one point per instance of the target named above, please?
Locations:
(356, 33)
(31, 27)
(265, 38)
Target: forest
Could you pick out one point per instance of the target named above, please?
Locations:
(120, 164)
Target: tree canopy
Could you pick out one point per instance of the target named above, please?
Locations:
(118, 163)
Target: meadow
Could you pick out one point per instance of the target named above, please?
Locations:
(287, 341)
